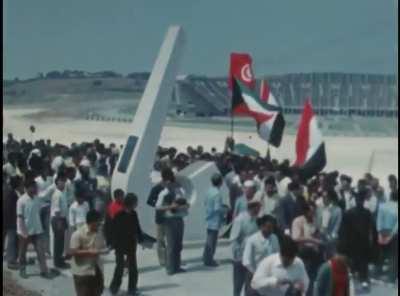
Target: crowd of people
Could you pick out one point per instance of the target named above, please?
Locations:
(289, 235)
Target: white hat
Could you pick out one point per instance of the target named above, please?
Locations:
(36, 152)
(85, 163)
(249, 183)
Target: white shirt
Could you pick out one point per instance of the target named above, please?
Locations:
(257, 248)
(77, 214)
(271, 270)
(10, 170)
(371, 204)
(56, 163)
(243, 227)
(29, 210)
(59, 204)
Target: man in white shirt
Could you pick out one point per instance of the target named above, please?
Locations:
(259, 246)
(78, 212)
(279, 273)
(44, 181)
(243, 227)
(59, 216)
(268, 197)
(29, 226)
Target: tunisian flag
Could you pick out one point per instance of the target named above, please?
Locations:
(241, 69)
(310, 147)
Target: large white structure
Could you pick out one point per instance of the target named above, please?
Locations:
(135, 164)
(136, 161)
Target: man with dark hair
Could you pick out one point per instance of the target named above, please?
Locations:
(388, 237)
(126, 236)
(259, 246)
(281, 274)
(269, 197)
(291, 206)
(171, 208)
(29, 226)
(215, 212)
(346, 193)
(243, 227)
(87, 245)
(357, 234)
(306, 234)
(333, 277)
(167, 183)
(59, 215)
(114, 208)
(10, 220)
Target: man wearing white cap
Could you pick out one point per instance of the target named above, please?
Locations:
(250, 189)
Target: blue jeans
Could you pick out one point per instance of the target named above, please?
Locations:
(210, 247)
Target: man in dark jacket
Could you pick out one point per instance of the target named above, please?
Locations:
(10, 219)
(357, 234)
(291, 206)
(126, 236)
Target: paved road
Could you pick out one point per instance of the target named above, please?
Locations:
(198, 281)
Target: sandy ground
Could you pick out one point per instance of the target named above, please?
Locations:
(349, 155)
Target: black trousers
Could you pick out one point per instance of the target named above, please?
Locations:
(249, 291)
(59, 226)
(239, 278)
(360, 263)
(210, 247)
(174, 228)
(119, 271)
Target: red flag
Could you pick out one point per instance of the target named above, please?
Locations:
(241, 69)
(264, 91)
(310, 147)
(303, 134)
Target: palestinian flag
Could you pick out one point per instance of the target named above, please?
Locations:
(310, 147)
(246, 103)
(271, 130)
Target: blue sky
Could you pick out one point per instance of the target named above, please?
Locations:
(125, 35)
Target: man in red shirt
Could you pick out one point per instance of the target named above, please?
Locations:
(115, 207)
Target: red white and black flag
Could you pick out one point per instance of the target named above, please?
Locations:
(310, 147)
(242, 70)
(271, 130)
(246, 103)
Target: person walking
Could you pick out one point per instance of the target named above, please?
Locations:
(388, 235)
(259, 246)
(215, 212)
(86, 247)
(29, 227)
(243, 227)
(10, 220)
(126, 236)
(357, 233)
(59, 215)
